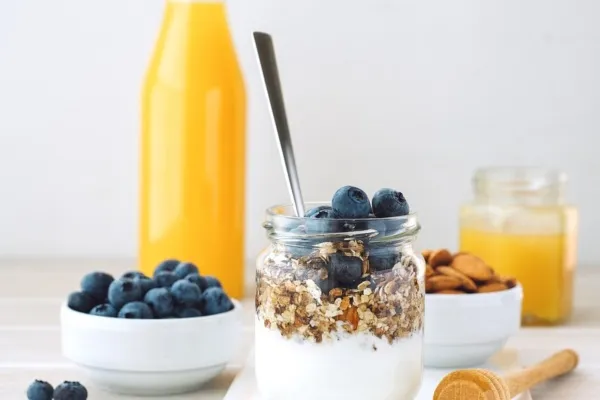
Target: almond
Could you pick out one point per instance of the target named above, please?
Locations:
(443, 282)
(450, 291)
(473, 267)
(509, 281)
(426, 254)
(429, 271)
(440, 257)
(467, 283)
(492, 287)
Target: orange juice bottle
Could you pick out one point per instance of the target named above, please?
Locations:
(193, 146)
(519, 224)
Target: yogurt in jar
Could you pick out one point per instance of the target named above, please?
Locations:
(356, 367)
(320, 341)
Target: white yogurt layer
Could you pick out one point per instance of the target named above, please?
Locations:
(355, 367)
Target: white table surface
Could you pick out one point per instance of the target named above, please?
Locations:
(32, 291)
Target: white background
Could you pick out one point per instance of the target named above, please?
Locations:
(405, 94)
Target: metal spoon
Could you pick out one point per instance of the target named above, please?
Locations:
(268, 64)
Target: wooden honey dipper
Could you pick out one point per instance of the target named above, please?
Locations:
(481, 384)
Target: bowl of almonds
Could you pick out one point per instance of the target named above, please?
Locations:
(470, 310)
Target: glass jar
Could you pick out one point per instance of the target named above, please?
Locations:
(339, 308)
(519, 224)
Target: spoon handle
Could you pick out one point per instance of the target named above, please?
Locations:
(558, 364)
(268, 63)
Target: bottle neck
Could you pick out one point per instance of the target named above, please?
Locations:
(519, 186)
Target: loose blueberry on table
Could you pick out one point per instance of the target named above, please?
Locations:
(40, 390)
(175, 290)
(68, 390)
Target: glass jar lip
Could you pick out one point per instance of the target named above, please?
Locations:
(274, 211)
(522, 174)
(283, 224)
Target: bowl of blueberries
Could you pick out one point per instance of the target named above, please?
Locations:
(160, 335)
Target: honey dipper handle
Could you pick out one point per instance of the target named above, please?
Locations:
(558, 364)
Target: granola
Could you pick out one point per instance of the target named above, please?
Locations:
(301, 297)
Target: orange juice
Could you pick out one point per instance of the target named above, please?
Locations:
(542, 263)
(519, 223)
(193, 146)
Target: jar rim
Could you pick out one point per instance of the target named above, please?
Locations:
(533, 175)
(523, 185)
(274, 212)
(283, 223)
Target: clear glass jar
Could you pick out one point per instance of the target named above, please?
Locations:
(339, 308)
(519, 223)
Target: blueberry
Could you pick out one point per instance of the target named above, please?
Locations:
(40, 390)
(70, 391)
(184, 269)
(133, 275)
(389, 203)
(104, 310)
(345, 269)
(393, 226)
(146, 283)
(198, 280)
(299, 230)
(81, 301)
(124, 291)
(187, 312)
(364, 224)
(321, 212)
(160, 301)
(96, 284)
(165, 279)
(186, 293)
(215, 301)
(211, 281)
(288, 224)
(326, 284)
(324, 225)
(136, 310)
(323, 219)
(379, 226)
(381, 259)
(351, 202)
(203, 282)
(166, 265)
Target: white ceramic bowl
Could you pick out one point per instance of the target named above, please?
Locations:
(465, 330)
(150, 357)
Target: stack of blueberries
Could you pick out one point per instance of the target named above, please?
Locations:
(350, 202)
(176, 290)
(352, 210)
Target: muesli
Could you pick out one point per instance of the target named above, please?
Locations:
(305, 297)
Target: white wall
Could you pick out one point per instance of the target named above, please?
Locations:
(446, 87)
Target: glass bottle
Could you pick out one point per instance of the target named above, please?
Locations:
(193, 146)
(336, 296)
(519, 223)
